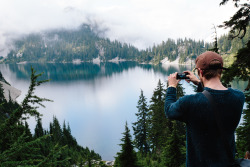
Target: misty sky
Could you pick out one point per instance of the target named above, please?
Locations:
(138, 22)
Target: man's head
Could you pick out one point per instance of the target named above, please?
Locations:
(209, 65)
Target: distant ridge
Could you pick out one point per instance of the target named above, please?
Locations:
(84, 45)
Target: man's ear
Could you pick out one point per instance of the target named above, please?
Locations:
(201, 72)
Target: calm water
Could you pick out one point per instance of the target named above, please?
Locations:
(96, 100)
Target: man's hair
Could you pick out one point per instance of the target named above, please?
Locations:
(213, 71)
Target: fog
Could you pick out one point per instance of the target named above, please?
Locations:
(141, 23)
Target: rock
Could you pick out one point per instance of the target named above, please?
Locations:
(110, 163)
(10, 91)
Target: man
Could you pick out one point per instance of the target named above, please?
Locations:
(204, 144)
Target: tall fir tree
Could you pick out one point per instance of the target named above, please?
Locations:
(127, 156)
(39, 132)
(173, 152)
(56, 131)
(215, 47)
(141, 127)
(158, 124)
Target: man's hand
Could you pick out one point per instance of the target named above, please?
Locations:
(172, 81)
(192, 77)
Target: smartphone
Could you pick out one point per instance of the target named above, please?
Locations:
(182, 76)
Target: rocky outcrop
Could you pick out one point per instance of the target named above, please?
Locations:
(10, 92)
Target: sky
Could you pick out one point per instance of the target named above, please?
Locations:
(141, 23)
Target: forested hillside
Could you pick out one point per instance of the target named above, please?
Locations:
(83, 44)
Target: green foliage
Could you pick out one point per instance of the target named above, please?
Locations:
(184, 49)
(240, 67)
(243, 131)
(215, 48)
(174, 152)
(21, 152)
(127, 156)
(141, 127)
(239, 21)
(159, 124)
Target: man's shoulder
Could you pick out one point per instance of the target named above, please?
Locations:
(239, 94)
(198, 97)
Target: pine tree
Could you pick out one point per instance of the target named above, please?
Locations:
(27, 131)
(141, 127)
(158, 123)
(173, 154)
(56, 131)
(38, 129)
(2, 98)
(2, 104)
(127, 156)
(215, 47)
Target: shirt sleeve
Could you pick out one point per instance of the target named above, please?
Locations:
(175, 109)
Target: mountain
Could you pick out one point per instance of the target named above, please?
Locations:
(83, 44)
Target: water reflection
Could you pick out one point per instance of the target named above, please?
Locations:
(62, 72)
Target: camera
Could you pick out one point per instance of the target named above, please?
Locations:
(182, 76)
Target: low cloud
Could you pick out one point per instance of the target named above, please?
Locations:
(138, 22)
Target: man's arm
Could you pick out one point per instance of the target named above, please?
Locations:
(174, 109)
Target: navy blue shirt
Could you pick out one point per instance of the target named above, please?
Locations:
(204, 145)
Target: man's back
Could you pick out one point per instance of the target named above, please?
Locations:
(204, 145)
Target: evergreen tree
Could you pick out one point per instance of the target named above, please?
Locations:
(158, 124)
(38, 129)
(173, 154)
(127, 156)
(27, 131)
(2, 98)
(141, 127)
(215, 47)
(239, 21)
(56, 131)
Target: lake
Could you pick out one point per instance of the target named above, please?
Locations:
(95, 99)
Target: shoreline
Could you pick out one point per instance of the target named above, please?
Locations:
(97, 61)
